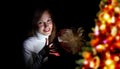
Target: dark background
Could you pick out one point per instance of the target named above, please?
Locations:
(79, 13)
(66, 14)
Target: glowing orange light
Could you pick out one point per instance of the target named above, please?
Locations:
(86, 55)
(116, 58)
(94, 42)
(106, 16)
(117, 9)
(107, 54)
(117, 44)
(117, 37)
(108, 62)
(100, 47)
(110, 38)
(92, 64)
(85, 62)
(114, 31)
(103, 27)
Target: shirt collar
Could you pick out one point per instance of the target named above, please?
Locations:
(41, 36)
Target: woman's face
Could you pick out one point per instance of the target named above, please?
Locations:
(45, 24)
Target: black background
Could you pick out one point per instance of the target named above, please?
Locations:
(79, 13)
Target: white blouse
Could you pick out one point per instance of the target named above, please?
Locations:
(33, 45)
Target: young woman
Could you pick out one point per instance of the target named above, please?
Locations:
(36, 47)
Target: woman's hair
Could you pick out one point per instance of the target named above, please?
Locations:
(36, 16)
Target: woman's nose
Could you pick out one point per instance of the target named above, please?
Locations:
(46, 24)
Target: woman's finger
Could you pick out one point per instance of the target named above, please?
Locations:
(53, 50)
(56, 54)
(51, 45)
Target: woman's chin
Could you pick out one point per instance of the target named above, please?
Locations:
(47, 33)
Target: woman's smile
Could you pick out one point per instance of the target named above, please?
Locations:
(46, 30)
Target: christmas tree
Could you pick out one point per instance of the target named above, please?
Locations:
(103, 50)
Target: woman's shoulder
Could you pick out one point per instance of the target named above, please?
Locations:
(28, 43)
(29, 40)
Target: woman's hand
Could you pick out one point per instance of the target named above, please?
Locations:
(52, 50)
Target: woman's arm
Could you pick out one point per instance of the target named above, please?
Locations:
(32, 59)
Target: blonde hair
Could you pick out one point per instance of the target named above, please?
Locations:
(73, 39)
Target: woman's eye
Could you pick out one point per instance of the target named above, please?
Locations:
(49, 20)
(40, 23)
